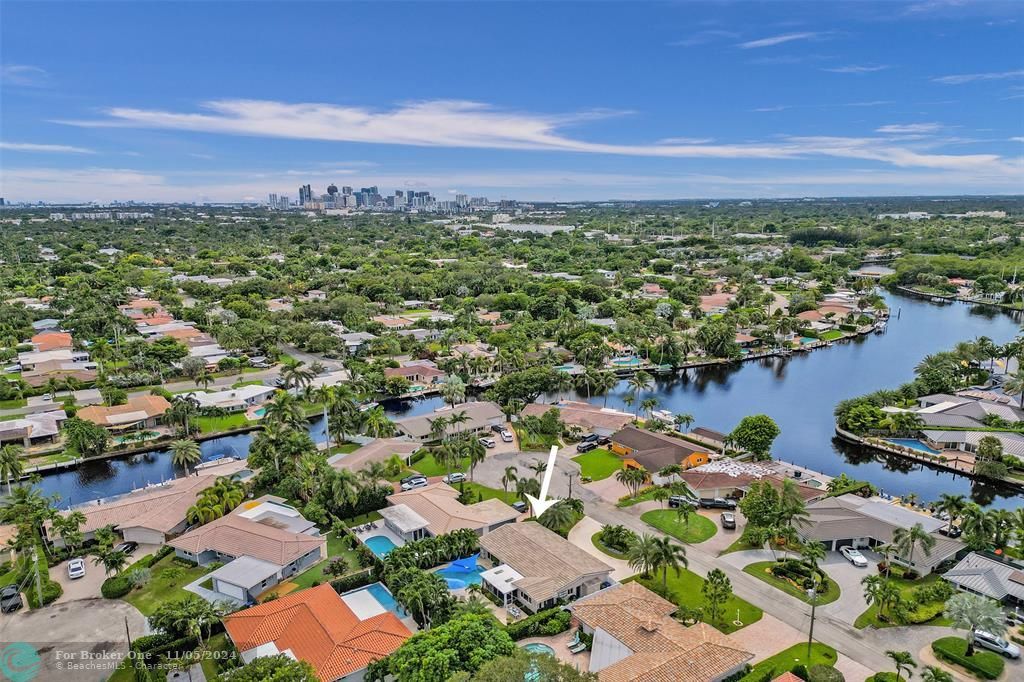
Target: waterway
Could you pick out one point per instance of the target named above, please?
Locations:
(798, 392)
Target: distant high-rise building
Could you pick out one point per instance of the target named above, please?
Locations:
(462, 200)
(305, 195)
(332, 190)
(272, 200)
(346, 191)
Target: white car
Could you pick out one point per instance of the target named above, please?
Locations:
(854, 556)
(506, 436)
(987, 640)
(76, 569)
(455, 477)
(487, 442)
(415, 483)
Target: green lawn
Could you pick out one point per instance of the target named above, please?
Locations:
(361, 519)
(596, 539)
(832, 335)
(760, 571)
(784, 661)
(429, 466)
(699, 529)
(536, 441)
(13, 403)
(210, 664)
(870, 616)
(685, 590)
(644, 496)
(482, 492)
(344, 448)
(598, 464)
(335, 548)
(166, 584)
(224, 423)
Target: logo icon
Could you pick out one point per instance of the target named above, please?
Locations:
(19, 662)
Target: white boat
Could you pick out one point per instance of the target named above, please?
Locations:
(663, 415)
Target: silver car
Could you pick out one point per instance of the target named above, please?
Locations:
(987, 640)
(854, 557)
(76, 569)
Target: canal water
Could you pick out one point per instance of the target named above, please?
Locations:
(798, 392)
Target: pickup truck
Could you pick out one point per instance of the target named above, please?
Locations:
(717, 503)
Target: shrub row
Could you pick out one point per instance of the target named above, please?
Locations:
(353, 582)
(542, 624)
(985, 664)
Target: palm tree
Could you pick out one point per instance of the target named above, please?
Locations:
(952, 505)
(185, 452)
(510, 477)
(668, 554)
(813, 551)
(1014, 384)
(527, 486)
(295, 375)
(377, 425)
(112, 562)
(643, 553)
(10, 464)
(978, 527)
(648, 405)
(606, 381)
(183, 407)
(974, 612)
(632, 478)
(538, 467)
(284, 409)
(880, 593)
(933, 674)
(684, 419)
(906, 541)
(476, 452)
(453, 390)
(683, 514)
(904, 663)
(558, 515)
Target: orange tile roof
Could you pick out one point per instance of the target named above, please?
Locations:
(318, 627)
(51, 341)
(151, 405)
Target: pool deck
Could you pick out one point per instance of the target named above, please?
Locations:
(381, 529)
(560, 644)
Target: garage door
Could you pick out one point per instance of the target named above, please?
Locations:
(844, 543)
(229, 589)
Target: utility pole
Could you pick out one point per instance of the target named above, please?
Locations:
(813, 594)
(39, 583)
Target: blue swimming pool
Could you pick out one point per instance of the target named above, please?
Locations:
(538, 648)
(379, 545)
(913, 444)
(383, 597)
(462, 573)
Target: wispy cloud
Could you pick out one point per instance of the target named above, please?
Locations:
(777, 107)
(858, 68)
(46, 148)
(910, 128)
(777, 40)
(198, 155)
(23, 75)
(960, 79)
(705, 37)
(460, 124)
(1017, 139)
(686, 140)
(870, 103)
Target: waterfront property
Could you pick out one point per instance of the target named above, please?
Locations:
(143, 411)
(535, 568)
(338, 635)
(33, 429)
(999, 578)
(732, 479)
(655, 451)
(604, 421)
(481, 416)
(235, 399)
(636, 638)
(850, 520)
(436, 510)
(263, 541)
(967, 441)
(377, 450)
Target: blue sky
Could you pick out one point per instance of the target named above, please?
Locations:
(228, 101)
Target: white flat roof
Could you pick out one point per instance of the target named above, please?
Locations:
(502, 578)
(404, 518)
(363, 604)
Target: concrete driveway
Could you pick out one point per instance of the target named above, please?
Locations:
(581, 535)
(851, 593)
(88, 587)
(89, 634)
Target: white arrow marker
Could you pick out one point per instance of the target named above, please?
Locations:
(541, 505)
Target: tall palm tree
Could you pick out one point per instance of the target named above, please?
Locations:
(10, 464)
(668, 555)
(1014, 384)
(684, 419)
(510, 477)
(605, 382)
(903, 661)
(185, 452)
(284, 409)
(906, 541)
(973, 612)
(951, 505)
(376, 423)
(643, 554)
(295, 375)
(558, 515)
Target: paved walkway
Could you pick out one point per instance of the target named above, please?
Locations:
(581, 535)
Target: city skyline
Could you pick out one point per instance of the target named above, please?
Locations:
(593, 102)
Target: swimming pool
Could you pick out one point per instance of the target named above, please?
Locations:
(462, 573)
(259, 412)
(379, 545)
(538, 648)
(913, 444)
(383, 597)
(626, 362)
(807, 339)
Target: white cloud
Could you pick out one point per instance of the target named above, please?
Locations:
(1017, 139)
(475, 125)
(960, 79)
(686, 140)
(778, 107)
(704, 37)
(910, 128)
(24, 75)
(777, 40)
(857, 68)
(49, 148)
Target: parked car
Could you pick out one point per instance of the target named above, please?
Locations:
(506, 436)
(728, 520)
(589, 438)
(487, 442)
(10, 599)
(413, 477)
(415, 483)
(127, 547)
(951, 531)
(604, 440)
(455, 477)
(677, 501)
(586, 447)
(854, 556)
(260, 362)
(498, 428)
(717, 503)
(987, 640)
(76, 568)
(520, 506)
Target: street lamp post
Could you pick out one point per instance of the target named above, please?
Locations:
(812, 593)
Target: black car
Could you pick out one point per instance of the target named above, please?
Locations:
(586, 446)
(497, 428)
(589, 438)
(604, 440)
(677, 501)
(951, 531)
(519, 506)
(127, 547)
(10, 599)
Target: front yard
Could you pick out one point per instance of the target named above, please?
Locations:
(429, 466)
(784, 661)
(699, 528)
(684, 590)
(918, 614)
(760, 570)
(166, 583)
(598, 464)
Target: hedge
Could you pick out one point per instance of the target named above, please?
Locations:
(51, 591)
(351, 582)
(985, 664)
(542, 624)
(116, 586)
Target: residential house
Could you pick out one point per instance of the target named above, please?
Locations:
(417, 374)
(235, 399)
(481, 416)
(29, 360)
(48, 324)
(436, 510)
(260, 543)
(536, 568)
(392, 321)
(604, 421)
(732, 479)
(33, 429)
(850, 520)
(356, 342)
(476, 349)
(967, 441)
(377, 450)
(999, 578)
(636, 639)
(420, 335)
(82, 371)
(138, 412)
(653, 290)
(655, 451)
(339, 635)
(710, 436)
(51, 340)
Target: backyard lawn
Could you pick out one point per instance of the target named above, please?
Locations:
(362, 518)
(224, 423)
(482, 492)
(336, 547)
(429, 466)
(699, 529)
(907, 587)
(784, 661)
(168, 578)
(344, 448)
(685, 590)
(598, 464)
(760, 571)
(832, 335)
